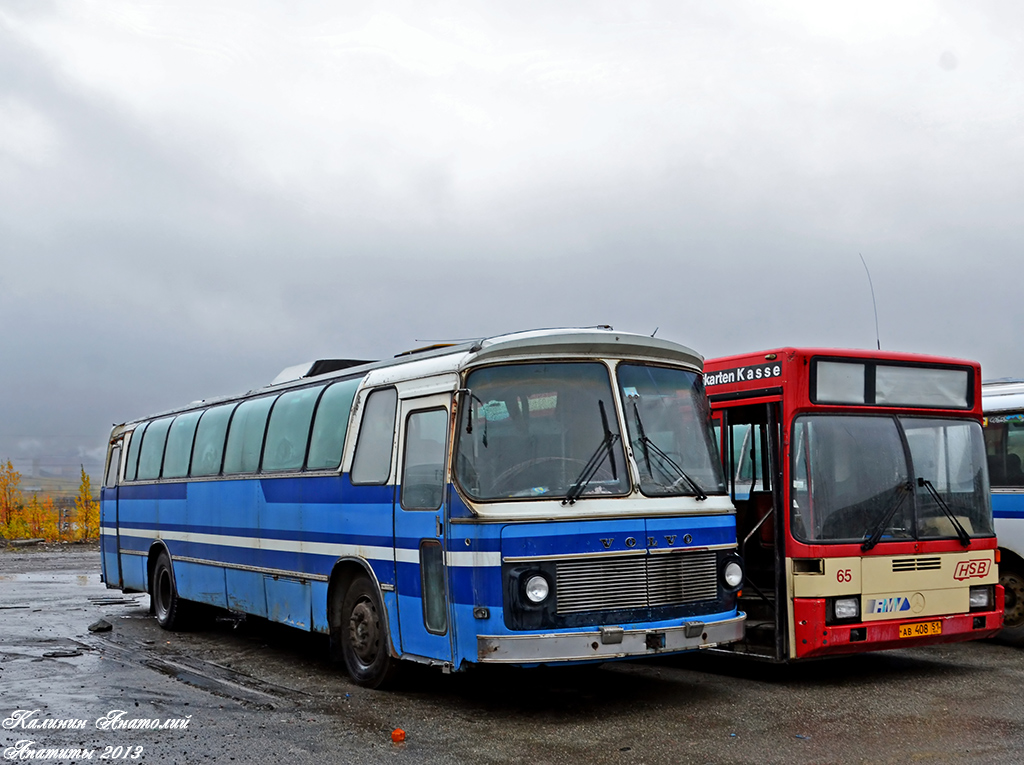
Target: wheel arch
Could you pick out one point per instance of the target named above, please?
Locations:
(344, 572)
(1012, 559)
(155, 549)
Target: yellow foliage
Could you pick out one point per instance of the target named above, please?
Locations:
(40, 517)
(87, 510)
(10, 496)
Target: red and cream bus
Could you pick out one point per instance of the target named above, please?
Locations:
(862, 498)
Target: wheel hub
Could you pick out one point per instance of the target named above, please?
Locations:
(364, 631)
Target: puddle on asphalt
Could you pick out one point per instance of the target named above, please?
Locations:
(83, 580)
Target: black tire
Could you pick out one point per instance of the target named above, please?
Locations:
(172, 613)
(364, 636)
(1012, 579)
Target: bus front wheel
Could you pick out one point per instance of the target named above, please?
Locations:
(364, 636)
(1012, 579)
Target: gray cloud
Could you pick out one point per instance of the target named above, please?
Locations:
(195, 196)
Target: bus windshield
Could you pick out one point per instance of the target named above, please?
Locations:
(669, 426)
(854, 479)
(533, 430)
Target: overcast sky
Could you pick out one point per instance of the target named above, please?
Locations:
(195, 195)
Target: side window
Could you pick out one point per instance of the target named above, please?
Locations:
(1004, 447)
(426, 435)
(179, 444)
(435, 612)
(152, 454)
(208, 452)
(372, 461)
(330, 424)
(115, 462)
(134, 442)
(288, 431)
(245, 436)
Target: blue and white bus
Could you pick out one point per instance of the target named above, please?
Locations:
(545, 497)
(1003, 403)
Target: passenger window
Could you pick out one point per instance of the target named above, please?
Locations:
(330, 424)
(423, 481)
(152, 454)
(134, 442)
(288, 431)
(179, 445)
(115, 462)
(208, 452)
(245, 436)
(372, 461)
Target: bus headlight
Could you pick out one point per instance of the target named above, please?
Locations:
(537, 588)
(847, 608)
(981, 597)
(733, 574)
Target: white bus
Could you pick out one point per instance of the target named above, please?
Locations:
(1003, 402)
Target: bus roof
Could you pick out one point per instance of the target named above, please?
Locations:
(1002, 395)
(594, 342)
(807, 377)
(790, 353)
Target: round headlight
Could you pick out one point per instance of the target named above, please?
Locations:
(537, 588)
(733, 574)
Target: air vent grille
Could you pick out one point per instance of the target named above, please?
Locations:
(612, 584)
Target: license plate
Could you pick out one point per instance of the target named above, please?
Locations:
(921, 629)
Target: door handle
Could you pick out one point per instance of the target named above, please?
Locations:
(440, 526)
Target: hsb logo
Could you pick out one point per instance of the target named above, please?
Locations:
(968, 569)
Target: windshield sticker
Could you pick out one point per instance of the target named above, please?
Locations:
(630, 392)
(743, 374)
(996, 419)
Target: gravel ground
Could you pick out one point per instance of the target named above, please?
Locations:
(254, 691)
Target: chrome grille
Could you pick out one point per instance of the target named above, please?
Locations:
(916, 564)
(606, 584)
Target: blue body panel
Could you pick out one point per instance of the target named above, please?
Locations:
(1007, 505)
(267, 546)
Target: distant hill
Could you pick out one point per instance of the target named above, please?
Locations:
(53, 487)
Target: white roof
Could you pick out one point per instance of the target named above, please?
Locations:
(1002, 395)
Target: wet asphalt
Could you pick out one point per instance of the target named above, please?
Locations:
(251, 691)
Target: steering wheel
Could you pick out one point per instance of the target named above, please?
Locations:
(505, 480)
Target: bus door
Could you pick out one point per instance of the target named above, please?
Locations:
(419, 517)
(751, 440)
(111, 545)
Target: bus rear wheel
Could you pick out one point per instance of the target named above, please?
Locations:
(1012, 580)
(171, 611)
(364, 636)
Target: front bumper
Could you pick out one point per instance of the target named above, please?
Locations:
(813, 639)
(605, 644)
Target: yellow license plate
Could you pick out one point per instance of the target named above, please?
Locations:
(921, 629)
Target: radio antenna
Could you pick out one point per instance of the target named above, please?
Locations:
(874, 305)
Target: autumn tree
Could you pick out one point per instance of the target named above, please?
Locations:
(35, 517)
(87, 509)
(10, 495)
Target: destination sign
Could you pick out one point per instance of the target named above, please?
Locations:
(743, 374)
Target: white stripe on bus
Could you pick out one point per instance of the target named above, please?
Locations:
(462, 559)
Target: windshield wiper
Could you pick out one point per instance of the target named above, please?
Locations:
(648, 446)
(876, 534)
(961, 532)
(604, 449)
(470, 396)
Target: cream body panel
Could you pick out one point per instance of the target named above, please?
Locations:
(842, 576)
